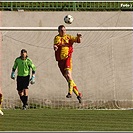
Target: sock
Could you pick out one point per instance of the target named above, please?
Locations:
(70, 85)
(75, 90)
(25, 100)
(22, 99)
(73, 87)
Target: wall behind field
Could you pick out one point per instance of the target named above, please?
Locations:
(93, 78)
(81, 19)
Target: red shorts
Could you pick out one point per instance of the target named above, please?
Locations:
(65, 65)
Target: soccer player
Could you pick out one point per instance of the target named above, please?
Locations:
(24, 65)
(1, 102)
(63, 46)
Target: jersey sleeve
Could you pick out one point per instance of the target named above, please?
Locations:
(56, 40)
(32, 66)
(15, 64)
(73, 38)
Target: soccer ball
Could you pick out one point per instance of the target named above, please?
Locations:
(68, 19)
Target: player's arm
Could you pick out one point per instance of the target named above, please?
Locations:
(33, 69)
(76, 39)
(15, 65)
(13, 69)
(32, 66)
(56, 43)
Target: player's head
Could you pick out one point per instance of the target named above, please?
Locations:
(62, 30)
(24, 53)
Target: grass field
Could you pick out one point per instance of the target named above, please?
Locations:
(66, 120)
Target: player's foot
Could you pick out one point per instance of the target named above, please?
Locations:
(79, 98)
(68, 95)
(1, 113)
(24, 107)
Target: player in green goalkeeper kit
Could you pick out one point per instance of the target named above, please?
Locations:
(23, 64)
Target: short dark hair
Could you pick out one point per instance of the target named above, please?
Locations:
(23, 51)
(60, 26)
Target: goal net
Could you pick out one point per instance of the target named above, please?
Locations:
(102, 67)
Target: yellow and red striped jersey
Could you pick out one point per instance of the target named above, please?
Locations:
(65, 46)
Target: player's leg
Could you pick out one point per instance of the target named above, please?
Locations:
(75, 90)
(73, 87)
(25, 97)
(71, 83)
(66, 70)
(78, 94)
(68, 76)
(21, 90)
(21, 94)
(63, 65)
(25, 90)
(1, 113)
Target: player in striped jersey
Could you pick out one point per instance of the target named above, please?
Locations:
(1, 98)
(63, 46)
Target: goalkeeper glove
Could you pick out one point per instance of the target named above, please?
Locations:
(13, 75)
(32, 80)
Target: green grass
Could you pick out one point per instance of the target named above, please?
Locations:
(66, 120)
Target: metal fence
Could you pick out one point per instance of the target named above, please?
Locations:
(66, 6)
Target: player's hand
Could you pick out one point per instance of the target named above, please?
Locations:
(32, 80)
(13, 75)
(79, 35)
(55, 47)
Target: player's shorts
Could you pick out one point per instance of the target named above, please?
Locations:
(65, 65)
(22, 82)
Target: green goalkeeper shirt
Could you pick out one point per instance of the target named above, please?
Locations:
(23, 66)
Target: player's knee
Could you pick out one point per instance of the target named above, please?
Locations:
(68, 77)
(20, 93)
(65, 75)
